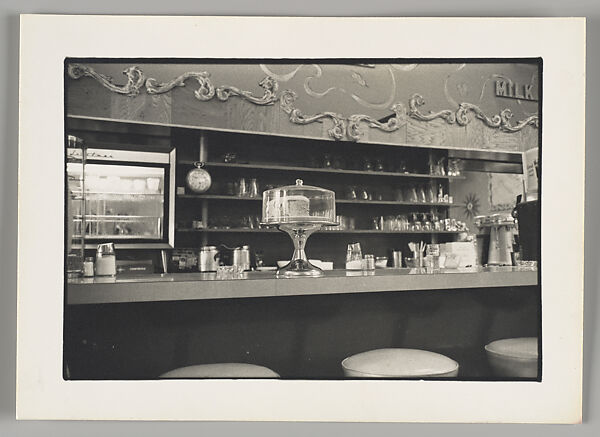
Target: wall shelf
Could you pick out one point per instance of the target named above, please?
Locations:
(338, 201)
(274, 167)
(323, 231)
(258, 159)
(393, 202)
(216, 197)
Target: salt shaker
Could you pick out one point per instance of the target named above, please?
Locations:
(88, 267)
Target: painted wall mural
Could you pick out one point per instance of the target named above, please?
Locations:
(483, 194)
(353, 96)
(503, 189)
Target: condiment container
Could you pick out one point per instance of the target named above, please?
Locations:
(396, 258)
(208, 261)
(369, 262)
(88, 267)
(241, 257)
(106, 261)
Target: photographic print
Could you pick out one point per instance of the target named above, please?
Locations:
(300, 231)
(316, 220)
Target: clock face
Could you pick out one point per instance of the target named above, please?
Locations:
(198, 180)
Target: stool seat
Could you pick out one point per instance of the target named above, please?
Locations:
(221, 370)
(399, 363)
(516, 357)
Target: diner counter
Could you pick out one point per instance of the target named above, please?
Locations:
(197, 286)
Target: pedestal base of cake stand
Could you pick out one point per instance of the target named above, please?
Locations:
(299, 265)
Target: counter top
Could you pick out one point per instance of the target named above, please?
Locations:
(196, 286)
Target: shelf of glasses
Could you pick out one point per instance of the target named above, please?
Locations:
(121, 196)
(338, 201)
(277, 167)
(392, 202)
(115, 218)
(232, 230)
(117, 237)
(325, 231)
(216, 197)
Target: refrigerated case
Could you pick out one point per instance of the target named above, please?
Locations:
(75, 204)
(128, 197)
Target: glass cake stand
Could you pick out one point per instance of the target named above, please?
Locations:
(299, 210)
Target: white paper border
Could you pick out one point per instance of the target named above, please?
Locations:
(46, 40)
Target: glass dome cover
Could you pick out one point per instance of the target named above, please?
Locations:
(298, 204)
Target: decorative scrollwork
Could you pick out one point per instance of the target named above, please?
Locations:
(135, 78)
(463, 119)
(286, 103)
(507, 114)
(205, 92)
(342, 126)
(461, 116)
(394, 123)
(269, 97)
(413, 110)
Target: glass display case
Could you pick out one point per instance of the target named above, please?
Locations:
(75, 206)
(128, 197)
(298, 203)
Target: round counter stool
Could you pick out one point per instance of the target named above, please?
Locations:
(399, 363)
(514, 357)
(221, 370)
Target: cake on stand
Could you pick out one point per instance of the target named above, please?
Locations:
(299, 210)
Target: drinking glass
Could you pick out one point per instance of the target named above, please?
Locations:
(354, 252)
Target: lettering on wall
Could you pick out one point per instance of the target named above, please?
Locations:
(515, 90)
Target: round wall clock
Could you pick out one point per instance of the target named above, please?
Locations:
(197, 179)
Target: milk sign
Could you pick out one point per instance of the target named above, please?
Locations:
(515, 90)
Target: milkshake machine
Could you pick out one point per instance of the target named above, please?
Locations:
(501, 229)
